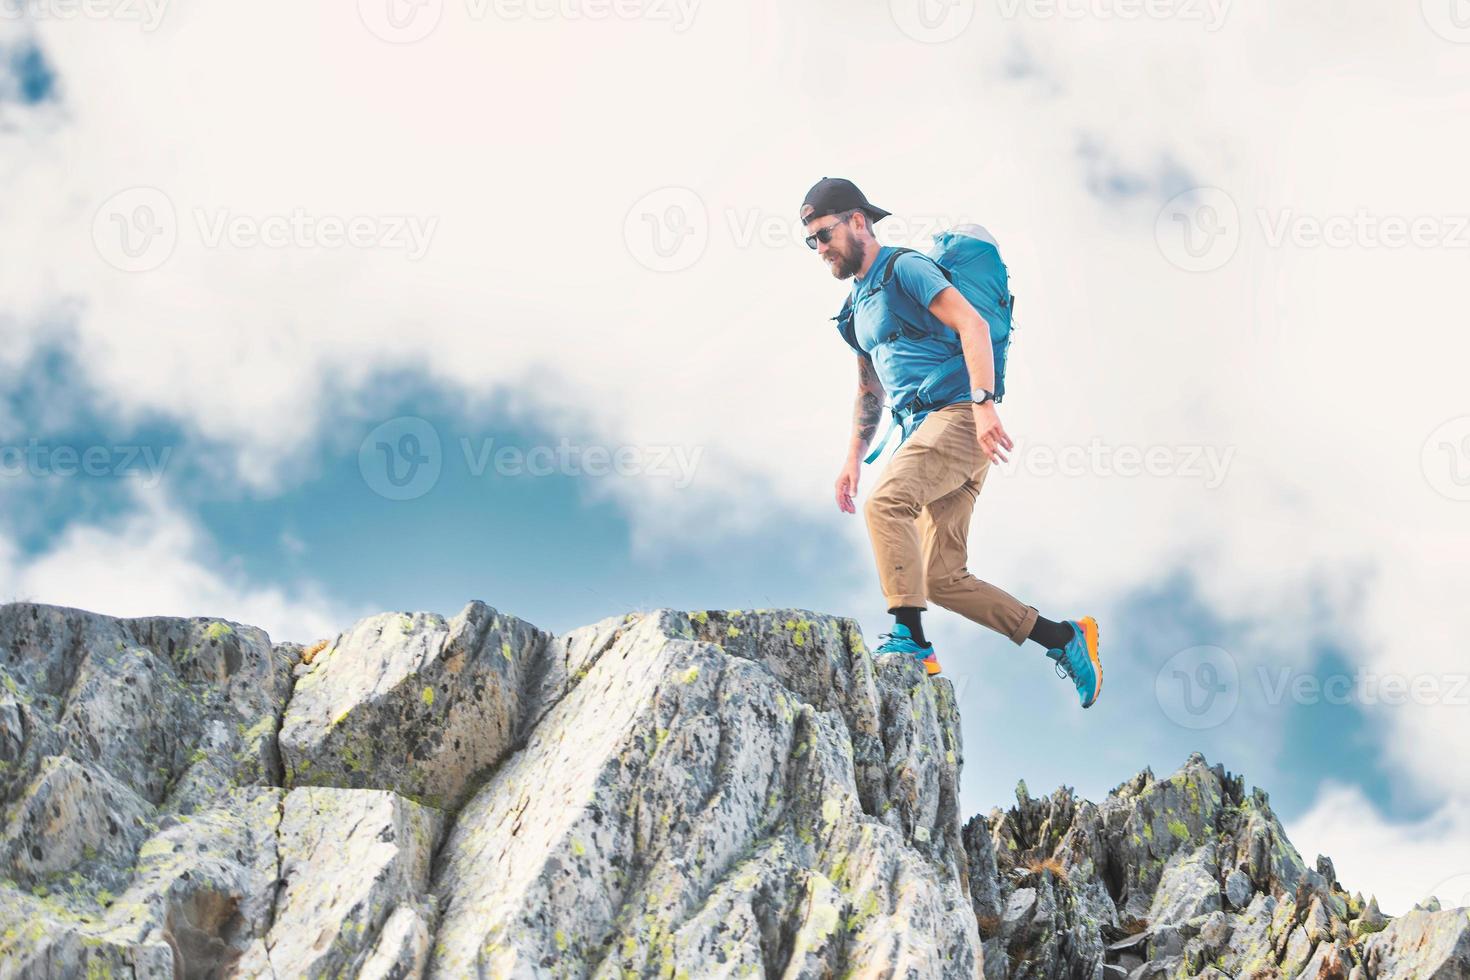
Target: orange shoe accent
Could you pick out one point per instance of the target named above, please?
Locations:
(931, 664)
(1092, 636)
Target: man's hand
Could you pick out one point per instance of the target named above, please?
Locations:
(988, 431)
(847, 483)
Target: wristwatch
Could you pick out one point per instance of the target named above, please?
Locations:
(982, 395)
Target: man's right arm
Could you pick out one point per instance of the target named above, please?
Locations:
(868, 409)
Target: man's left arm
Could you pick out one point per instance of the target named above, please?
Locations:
(954, 311)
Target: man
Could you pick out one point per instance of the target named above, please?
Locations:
(918, 514)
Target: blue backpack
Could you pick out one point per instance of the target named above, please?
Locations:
(918, 349)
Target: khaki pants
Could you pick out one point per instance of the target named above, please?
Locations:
(918, 517)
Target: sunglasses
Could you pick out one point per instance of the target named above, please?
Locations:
(823, 235)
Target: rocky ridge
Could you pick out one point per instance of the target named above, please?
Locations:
(661, 794)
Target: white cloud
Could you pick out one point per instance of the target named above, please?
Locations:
(156, 561)
(1323, 369)
(1402, 863)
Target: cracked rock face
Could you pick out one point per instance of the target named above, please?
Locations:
(412, 703)
(661, 794)
(1188, 876)
(682, 808)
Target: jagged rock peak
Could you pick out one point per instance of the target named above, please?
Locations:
(664, 793)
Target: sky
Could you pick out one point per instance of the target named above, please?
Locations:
(309, 313)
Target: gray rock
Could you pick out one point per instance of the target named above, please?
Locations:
(173, 709)
(350, 861)
(412, 703)
(657, 794)
(70, 815)
(983, 876)
(1298, 951)
(1372, 920)
(674, 779)
(1329, 962)
(1238, 889)
(1422, 945)
(1020, 907)
(1188, 887)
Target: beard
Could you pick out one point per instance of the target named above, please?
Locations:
(846, 263)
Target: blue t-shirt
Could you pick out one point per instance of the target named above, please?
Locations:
(902, 368)
(917, 276)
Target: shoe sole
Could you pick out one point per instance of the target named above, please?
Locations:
(931, 668)
(1091, 636)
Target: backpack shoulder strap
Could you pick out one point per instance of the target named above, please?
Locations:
(893, 260)
(916, 318)
(846, 327)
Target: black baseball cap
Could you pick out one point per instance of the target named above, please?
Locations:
(833, 195)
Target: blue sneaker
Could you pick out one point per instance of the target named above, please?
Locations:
(1079, 660)
(902, 641)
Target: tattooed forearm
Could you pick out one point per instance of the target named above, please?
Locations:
(869, 407)
(865, 418)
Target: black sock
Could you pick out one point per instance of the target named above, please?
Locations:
(1051, 635)
(909, 616)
